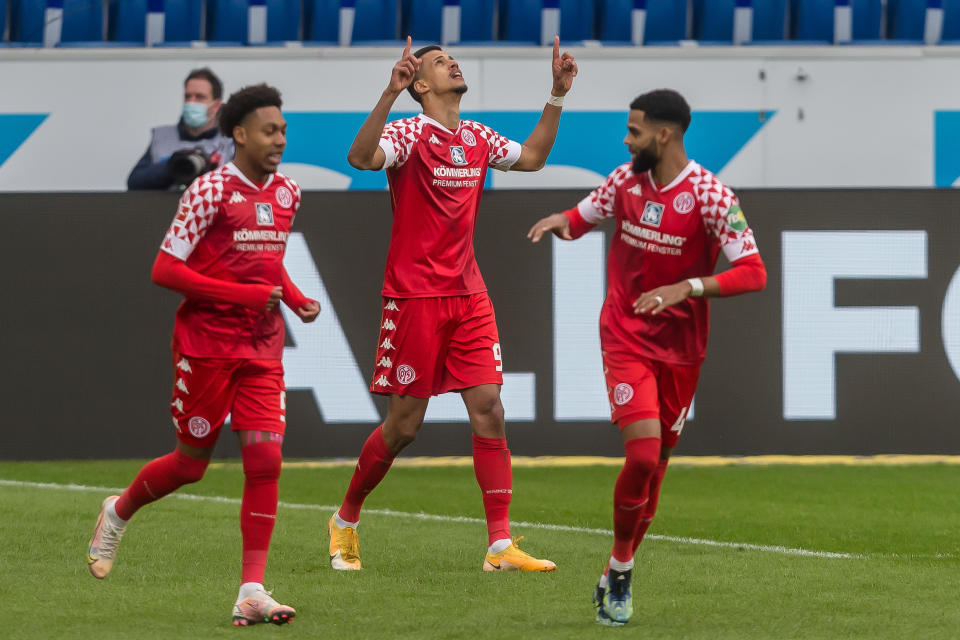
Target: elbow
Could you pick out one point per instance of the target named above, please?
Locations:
(358, 161)
(761, 277)
(160, 274)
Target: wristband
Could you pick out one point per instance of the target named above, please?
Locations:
(556, 101)
(696, 287)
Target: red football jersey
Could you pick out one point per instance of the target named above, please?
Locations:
(664, 235)
(228, 228)
(436, 180)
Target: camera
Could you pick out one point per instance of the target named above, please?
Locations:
(186, 164)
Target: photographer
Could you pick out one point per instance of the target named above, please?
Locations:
(179, 153)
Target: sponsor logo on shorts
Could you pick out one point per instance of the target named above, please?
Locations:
(385, 362)
(684, 202)
(182, 386)
(386, 344)
(177, 404)
(468, 138)
(382, 382)
(406, 374)
(622, 394)
(389, 325)
(264, 213)
(183, 365)
(391, 306)
(284, 197)
(199, 427)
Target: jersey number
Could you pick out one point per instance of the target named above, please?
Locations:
(678, 425)
(497, 356)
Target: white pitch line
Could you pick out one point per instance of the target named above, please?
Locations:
(465, 519)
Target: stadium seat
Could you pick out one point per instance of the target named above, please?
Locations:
(227, 20)
(376, 20)
(422, 19)
(867, 19)
(666, 20)
(812, 20)
(520, 20)
(951, 20)
(713, 20)
(906, 19)
(127, 20)
(82, 21)
(3, 20)
(769, 19)
(321, 20)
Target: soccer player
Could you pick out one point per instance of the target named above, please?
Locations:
(673, 219)
(224, 253)
(438, 332)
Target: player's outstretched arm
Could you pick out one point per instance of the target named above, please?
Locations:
(305, 308)
(744, 275)
(172, 273)
(537, 147)
(557, 224)
(365, 152)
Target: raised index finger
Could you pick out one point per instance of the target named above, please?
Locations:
(556, 48)
(406, 49)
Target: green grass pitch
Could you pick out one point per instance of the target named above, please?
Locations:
(178, 566)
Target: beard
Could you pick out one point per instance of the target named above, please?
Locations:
(645, 159)
(460, 90)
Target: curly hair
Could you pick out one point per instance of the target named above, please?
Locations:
(664, 105)
(244, 102)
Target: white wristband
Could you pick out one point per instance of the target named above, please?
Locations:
(556, 101)
(696, 287)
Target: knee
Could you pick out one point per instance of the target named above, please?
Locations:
(262, 461)
(189, 470)
(401, 431)
(642, 455)
(488, 410)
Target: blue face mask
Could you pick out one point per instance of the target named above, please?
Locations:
(194, 114)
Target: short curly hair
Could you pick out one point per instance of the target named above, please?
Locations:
(244, 102)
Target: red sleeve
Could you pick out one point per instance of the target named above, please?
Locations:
(744, 275)
(578, 226)
(292, 297)
(173, 273)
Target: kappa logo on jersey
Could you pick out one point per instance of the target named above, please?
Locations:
(434, 139)
(182, 386)
(736, 219)
(622, 394)
(684, 202)
(385, 362)
(391, 306)
(652, 213)
(199, 427)
(406, 374)
(284, 197)
(389, 325)
(237, 198)
(468, 138)
(457, 155)
(177, 404)
(183, 365)
(264, 213)
(635, 190)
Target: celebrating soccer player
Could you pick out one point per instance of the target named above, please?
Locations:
(224, 253)
(673, 218)
(438, 332)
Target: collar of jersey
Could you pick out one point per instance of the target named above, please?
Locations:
(232, 169)
(430, 120)
(680, 178)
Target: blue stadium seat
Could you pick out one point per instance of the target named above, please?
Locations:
(769, 19)
(867, 19)
(520, 20)
(82, 21)
(376, 20)
(321, 20)
(127, 20)
(951, 20)
(422, 20)
(666, 20)
(3, 19)
(906, 19)
(227, 20)
(812, 20)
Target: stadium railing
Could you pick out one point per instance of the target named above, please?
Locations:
(107, 23)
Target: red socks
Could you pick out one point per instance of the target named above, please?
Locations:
(630, 495)
(373, 464)
(258, 509)
(491, 464)
(651, 507)
(159, 478)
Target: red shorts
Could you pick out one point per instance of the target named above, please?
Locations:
(206, 390)
(430, 346)
(641, 389)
